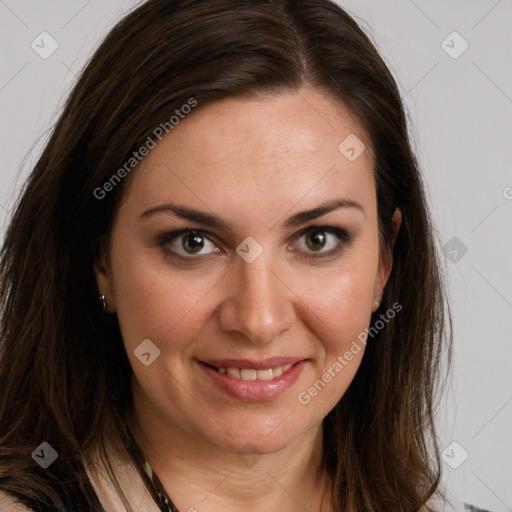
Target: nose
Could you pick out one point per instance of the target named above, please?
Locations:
(260, 302)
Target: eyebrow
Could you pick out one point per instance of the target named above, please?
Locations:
(214, 221)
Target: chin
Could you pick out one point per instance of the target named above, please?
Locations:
(263, 438)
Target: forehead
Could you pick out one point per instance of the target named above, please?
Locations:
(265, 151)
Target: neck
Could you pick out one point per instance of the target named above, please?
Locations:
(199, 476)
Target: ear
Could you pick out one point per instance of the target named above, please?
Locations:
(386, 264)
(103, 277)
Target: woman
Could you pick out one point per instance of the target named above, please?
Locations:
(220, 287)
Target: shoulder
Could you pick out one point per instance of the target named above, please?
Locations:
(9, 504)
(135, 490)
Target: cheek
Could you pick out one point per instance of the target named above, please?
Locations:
(339, 306)
(160, 303)
(337, 316)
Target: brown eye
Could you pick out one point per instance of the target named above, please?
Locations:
(319, 241)
(187, 243)
(193, 242)
(316, 240)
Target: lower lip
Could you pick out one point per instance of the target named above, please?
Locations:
(255, 390)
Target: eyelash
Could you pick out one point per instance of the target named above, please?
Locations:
(344, 240)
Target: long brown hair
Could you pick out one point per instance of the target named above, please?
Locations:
(64, 374)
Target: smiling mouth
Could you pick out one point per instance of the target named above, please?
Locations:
(249, 374)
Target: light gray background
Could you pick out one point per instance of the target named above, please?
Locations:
(461, 113)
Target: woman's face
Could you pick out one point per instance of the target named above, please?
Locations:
(246, 239)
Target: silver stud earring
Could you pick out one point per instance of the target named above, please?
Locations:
(103, 303)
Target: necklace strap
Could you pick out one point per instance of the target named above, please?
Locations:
(151, 480)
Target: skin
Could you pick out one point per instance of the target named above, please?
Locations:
(253, 162)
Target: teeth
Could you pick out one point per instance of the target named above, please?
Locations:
(265, 374)
(251, 374)
(233, 372)
(247, 374)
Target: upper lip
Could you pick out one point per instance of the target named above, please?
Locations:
(264, 364)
